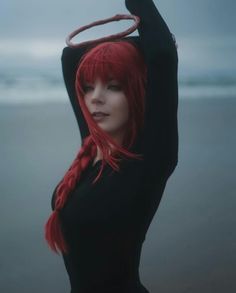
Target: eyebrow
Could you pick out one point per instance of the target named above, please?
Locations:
(113, 80)
(109, 80)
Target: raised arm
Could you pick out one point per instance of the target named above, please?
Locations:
(69, 59)
(159, 139)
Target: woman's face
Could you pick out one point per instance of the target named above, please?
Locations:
(108, 98)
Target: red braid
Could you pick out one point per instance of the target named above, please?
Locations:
(53, 229)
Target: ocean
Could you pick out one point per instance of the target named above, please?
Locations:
(30, 69)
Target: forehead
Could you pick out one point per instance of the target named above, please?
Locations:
(106, 71)
(98, 80)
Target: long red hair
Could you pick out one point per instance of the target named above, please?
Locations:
(124, 62)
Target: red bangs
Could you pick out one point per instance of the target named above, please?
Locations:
(104, 70)
(109, 60)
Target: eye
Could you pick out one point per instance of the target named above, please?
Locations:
(115, 87)
(87, 88)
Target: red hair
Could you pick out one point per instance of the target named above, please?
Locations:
(122, 61)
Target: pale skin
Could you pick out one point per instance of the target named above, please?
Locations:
(108, 98)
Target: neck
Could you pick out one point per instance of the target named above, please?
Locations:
(118, 139)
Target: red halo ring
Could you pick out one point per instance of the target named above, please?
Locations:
(117, 17)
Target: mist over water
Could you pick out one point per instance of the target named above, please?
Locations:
(30, 70)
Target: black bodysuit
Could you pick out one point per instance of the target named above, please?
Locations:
(105, 224)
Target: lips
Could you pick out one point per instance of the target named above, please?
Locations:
(99, 114)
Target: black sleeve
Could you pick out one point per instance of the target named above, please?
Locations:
(70, 58)
(159, 139)
(53, 198)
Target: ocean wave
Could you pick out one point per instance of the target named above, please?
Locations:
(43, 91)
(32, 72)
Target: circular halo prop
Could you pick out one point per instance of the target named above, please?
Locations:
(117, 17)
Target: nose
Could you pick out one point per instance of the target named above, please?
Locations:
(98, 95)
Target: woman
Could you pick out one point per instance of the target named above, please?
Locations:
(103, 206)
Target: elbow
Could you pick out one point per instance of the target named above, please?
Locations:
(171, 168)
(174, 163)
(65, 53)
(68, 55)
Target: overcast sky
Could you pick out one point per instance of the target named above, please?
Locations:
(55, 19)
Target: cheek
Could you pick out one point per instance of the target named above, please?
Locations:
(121, 108)
(121, 113)
(125, 112)
(86, 102)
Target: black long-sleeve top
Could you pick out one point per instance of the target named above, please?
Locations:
(105, 224)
